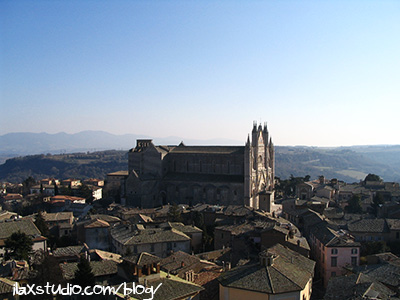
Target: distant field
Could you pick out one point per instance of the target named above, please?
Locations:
(353, 173)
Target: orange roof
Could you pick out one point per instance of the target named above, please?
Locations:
(65, 198)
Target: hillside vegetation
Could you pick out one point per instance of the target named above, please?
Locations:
(342, 163)
(62, 166)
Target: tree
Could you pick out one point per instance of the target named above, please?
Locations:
(369, 248)
(198, 219)
(18, 246)
(41, 225)
(27, 184)
(47, 269)
(174, 213)
(84, 274)
(354, 205)
(377, 202)
(86, 192)
(372, 177)
(56, 192)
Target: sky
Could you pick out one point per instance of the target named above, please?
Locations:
(320, 73)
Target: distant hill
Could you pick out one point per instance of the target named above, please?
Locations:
(349, 164)
(25, 143)
(63, 166)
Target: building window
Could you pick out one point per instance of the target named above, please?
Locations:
(397, 235)
(334, 251)
(333, 274)
(334, 261)
(354, 260)
(152, 247)
(354, 251)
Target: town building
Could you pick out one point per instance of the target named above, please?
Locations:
(280, 274)
(144, 269)
(193, 174)
(7, 228)
(157, 241)
(94, 233)
(332, 250)
(185, 266)
(60, 224)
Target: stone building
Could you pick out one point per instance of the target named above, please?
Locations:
(202, 174)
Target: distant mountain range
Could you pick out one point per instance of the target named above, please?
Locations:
(344, 163)
(25, 143)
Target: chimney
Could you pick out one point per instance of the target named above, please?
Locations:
(270, 260)
(227, 266)
(267, 259)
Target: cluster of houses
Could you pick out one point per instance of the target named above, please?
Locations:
(323, 193)
(308, 245)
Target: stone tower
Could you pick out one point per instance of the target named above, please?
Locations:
(259, 166)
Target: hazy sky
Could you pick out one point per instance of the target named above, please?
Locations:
(322, 73)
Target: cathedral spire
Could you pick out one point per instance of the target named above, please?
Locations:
(265, 127)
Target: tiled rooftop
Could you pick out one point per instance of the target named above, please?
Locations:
(289, 272)
(69, 251)
(130, 236)
(172, 288)
(99, 268)
(142, 259)
(7, 228)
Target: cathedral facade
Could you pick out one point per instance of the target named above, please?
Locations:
(219, 175)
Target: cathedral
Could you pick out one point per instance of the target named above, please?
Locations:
(218, 175)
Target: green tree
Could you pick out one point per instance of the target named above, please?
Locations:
(47, 269)
(369, 248)
(354, 205)
(27, 184)
(174, 213)
(41, 225)
(372, 177)
(85, 192)
(18, 246)
(84, 274)
(377, 201)
(198, 219)
(56, 192)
